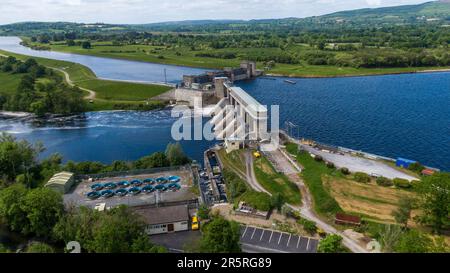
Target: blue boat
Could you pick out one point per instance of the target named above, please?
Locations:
(174, 179)
(161, 187)
(107, 194)
(97, 187)
(94, 195)
(136, 182)
(161, 180)
(135, 191)
(150, 181)
(121, 192)
(123, 184)
(174, 187)
(110, 186)
(148, 189)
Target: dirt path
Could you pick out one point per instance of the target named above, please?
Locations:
(251, 177)
(92, 94)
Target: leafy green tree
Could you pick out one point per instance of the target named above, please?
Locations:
(413, 241)
(11, 211)
(156, 160)
(331, 244)
(403, 213)
(86, 45)
(176, 155)
(117, 231)
(43, 208)
(434, 194)
(203, 211)
(389, 237)
(16, 156)
(277, 201)
(220, 236)
(38, 247)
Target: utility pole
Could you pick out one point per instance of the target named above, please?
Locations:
(165, 75)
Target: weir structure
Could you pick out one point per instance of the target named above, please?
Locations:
(238, 119)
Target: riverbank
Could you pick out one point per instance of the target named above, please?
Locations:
(140, 53)
(102, 94)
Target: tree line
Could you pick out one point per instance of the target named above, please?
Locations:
(34, 211)
(40, 97)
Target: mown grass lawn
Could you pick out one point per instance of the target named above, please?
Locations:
(275, 182)
(114, 90)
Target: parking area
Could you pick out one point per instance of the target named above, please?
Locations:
(269, 241)
(359, 164)
(78, 197)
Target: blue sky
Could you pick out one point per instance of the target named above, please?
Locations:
(149, 11)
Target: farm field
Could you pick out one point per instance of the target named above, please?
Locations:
(371, 201)
(185, 56)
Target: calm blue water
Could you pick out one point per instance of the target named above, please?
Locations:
(108, 68)
(397, 115)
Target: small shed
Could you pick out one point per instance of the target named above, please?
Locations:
(404, 163)
(61, 182)
(345, 219)
(428, 172)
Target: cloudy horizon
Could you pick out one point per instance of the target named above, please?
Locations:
(152, 11)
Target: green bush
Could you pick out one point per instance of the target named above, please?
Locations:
(383, 181)
(361, 177)
(345, 171)
(402, 183)
(318, 158)
(330, 165)
(308, 226)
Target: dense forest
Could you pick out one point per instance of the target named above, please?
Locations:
(40, 91)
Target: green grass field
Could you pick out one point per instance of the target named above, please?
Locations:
(110, 95)
(275, 182)
(9, 83)
(183, 55)
(120, 91)
(312, 174)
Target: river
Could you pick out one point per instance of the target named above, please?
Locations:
(393, 115)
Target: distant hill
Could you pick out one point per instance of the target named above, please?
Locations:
(430, 13)
(427, 12)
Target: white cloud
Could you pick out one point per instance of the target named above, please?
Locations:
(147, 11)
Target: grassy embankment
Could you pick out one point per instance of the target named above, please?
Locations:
(275, 182)
(237, 189)
(110, 95)
(333, 191)
(183, 55)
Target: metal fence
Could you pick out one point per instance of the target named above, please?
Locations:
(133, 172)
